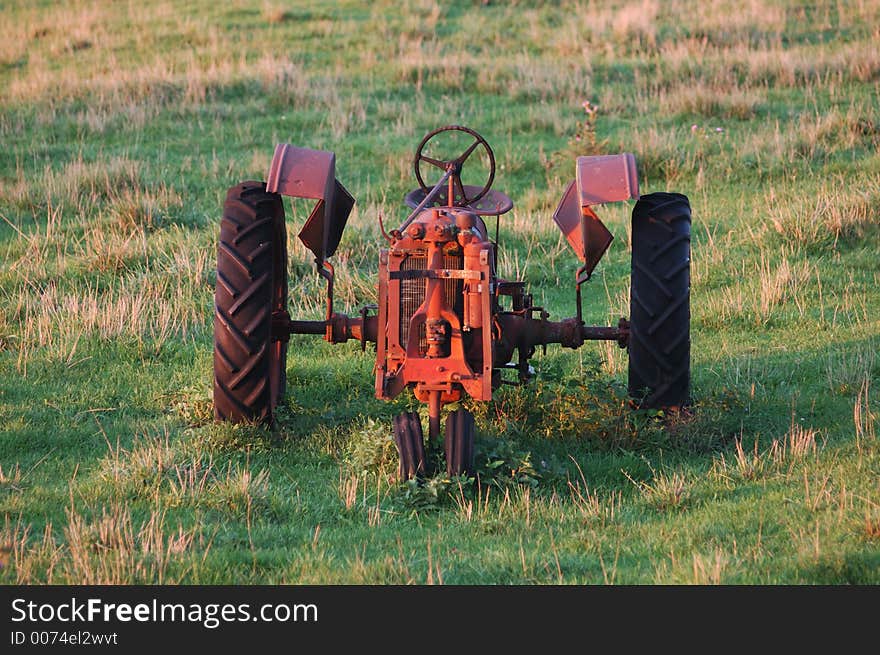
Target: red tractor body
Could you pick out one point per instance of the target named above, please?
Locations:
(445, 323)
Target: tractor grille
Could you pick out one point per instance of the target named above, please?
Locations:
(453, 288)
(412, 294)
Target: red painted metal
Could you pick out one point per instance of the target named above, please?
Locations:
(598, 180)
(457, 192)
(305, 173)
(441, 327)
(585, 233)
(606, 178)
(433, 356)
(493, 203)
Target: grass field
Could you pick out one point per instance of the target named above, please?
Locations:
(122, 126)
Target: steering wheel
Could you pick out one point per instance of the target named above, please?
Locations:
(455, 165)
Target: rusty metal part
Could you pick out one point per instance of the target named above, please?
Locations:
(382, 231)
(520, 330)
(426, 279)
(459, 443)
(426, 201)
(598, 180)
(623, 332)
(437, 337)
(606, 178)
(493, 203)
(456, 191)
(585, 233)
(570, 333)
(326, 271)
(305, 173)
(434, 404)
(410, 445)
(340, 327)
(280, 326)
(435, 274)
(365, 320)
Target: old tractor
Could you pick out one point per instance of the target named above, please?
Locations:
(445, 323)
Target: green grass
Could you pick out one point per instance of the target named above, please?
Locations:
(122, 127)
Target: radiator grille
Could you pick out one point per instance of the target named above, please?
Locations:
(453, 288)
(412, 294)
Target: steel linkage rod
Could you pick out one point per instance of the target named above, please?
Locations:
(428, 199)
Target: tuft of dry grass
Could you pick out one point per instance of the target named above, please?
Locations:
(834, 213)
(588, 503)
(348, 488)
(721, 100)
(774, 285)
(78, 186)
(863, 417)
(32, 559)
(699, 569)
(140, 469)
(709, 570)
(182, 475)
(111, 548)
(750, 465)
(664, 155)
(11, 478)
(664, 490)
(189, 481)
(238, 489)
(797, 444)
(780, 284)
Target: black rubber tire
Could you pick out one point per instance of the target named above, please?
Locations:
(460, 443)
(659, 338)
(249, 366)
(410, 442)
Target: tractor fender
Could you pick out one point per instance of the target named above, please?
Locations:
(305, 173)
(598, 180)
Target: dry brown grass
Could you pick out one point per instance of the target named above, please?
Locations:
(799, 445)
(835, 212)
(589, 504)
(709, 569)
(238, 489)
(91, 218)
(700, 568)
(775, 283)
(864, 418)
(113, 549)
(11, 478)
(56, 318)
(275, 13)
(665, 490)
(108, 548)
(182, 474)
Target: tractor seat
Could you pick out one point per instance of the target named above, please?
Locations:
(494, 203)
